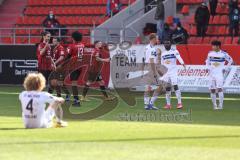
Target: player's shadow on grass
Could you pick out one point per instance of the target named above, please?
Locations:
(10, 129)
(128, 140)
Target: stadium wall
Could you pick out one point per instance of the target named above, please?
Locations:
(16, 61)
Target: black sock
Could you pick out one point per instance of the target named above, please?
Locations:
(103, 90)
(85, 90)
(50, 90)
(58, 90)
(65, 90)
(75, 92)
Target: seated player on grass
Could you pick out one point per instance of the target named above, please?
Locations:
(34, 100)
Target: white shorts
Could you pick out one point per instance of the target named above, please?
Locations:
(170, 78)
(215, 83)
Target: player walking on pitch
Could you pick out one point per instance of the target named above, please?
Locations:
(152, 57)
(33, 101)
(169, 59)
(216, 65)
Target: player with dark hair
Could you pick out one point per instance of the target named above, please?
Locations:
(44, 56)
(216, 65)
(75, 51)
(94, 72)
(57, 77)
(169, 58)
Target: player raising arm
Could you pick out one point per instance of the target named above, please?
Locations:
(34, 100)
(169, 58)
(94, 72)
(216, 64)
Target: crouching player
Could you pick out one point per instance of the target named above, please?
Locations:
(216, 63)
(94, 73)
(169, 59)
(33, 101)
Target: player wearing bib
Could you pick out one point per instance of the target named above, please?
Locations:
(169, 58)
(152, 58)
(33, 102)
(75, 52)
(216, 64)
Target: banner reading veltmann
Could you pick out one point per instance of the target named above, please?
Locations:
(16, 62)
(126, 72)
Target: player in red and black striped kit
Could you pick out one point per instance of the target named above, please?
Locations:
(94, 72)
(44, 56)
(57, 77)
(75, 52)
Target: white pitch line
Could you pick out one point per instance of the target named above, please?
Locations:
(187, 98)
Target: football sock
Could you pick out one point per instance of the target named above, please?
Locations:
(154, 97)
(85, 90)
(146, 98)
(75, 92)
(65, 90)
(221, 98)
(214, 101)
(168, 97)
(59, 113)
(178, 95)
(58, 90)
(103, 90)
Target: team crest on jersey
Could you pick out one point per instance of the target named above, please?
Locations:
(216, 64)
(167, 62)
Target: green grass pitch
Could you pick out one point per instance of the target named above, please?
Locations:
(118, 135)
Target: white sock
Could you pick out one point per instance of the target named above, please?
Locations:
(179, 97)
(168, 97)
(146, 100)
(153, 99)
(221, 98)
(214, 97)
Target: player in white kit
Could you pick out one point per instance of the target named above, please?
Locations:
(33, 101)
(215, 62)
(152, 58)
(169, 59)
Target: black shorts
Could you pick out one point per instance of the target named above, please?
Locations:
(75, 75)
(57, 75)
(95, 77)
(45, 73)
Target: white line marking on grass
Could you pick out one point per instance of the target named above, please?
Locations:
(188, 98)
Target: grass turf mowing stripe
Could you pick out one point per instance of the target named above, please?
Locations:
(188, 98)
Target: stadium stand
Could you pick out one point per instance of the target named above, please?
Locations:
(218, 25)
(78, 14)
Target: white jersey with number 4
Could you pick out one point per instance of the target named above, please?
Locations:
(34, 111)
(151, 52)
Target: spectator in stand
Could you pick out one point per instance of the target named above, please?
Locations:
(113, 7)
(202, 16)
(232, 5)
(180, 35)
(234, 22)
(167, 33)
(213, 6)
(51, 24)
(159, 17)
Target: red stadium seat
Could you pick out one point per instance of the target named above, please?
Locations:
(235, 40)
(185, 10)
(228, 40)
